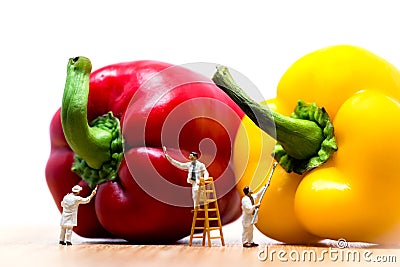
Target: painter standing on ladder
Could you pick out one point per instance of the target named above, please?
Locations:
(195, 169)
(248, 208)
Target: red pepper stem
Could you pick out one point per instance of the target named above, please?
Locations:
(90, 143)
(307, 138)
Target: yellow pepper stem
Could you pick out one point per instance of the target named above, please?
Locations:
(305, 140)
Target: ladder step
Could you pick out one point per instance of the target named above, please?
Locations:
(209, 209)
(209, 228)
(211, 219)
(211, 237)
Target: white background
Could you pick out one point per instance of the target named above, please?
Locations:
(258, 38)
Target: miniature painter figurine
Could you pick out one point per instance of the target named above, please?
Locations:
(250, 210)
(69, 217)
(196, 170)
(248, 216)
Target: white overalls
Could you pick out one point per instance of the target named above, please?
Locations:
(69, 217)
(247, 216)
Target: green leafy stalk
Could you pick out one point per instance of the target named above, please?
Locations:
(305, 140)
(98, 145)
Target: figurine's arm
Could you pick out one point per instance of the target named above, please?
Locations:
(86, 200)
(180, 165)
(257, 195)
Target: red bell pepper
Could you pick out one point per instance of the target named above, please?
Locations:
(141, 197)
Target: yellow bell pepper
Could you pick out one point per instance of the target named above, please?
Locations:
(355, 194)
(251, 160)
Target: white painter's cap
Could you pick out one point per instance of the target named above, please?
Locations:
(76, 189)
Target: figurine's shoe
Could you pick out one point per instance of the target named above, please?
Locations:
(69, 243)
(247, 245)
(62, 243)
(254, 244)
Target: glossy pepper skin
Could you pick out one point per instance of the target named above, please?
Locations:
(277, 218)
(177, 101)
(355, 194)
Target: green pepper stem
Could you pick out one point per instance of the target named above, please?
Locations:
(90, 143)
(304, 139)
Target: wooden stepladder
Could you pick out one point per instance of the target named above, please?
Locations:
(207, 217)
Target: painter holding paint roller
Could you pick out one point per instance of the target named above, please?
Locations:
(250, 210)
